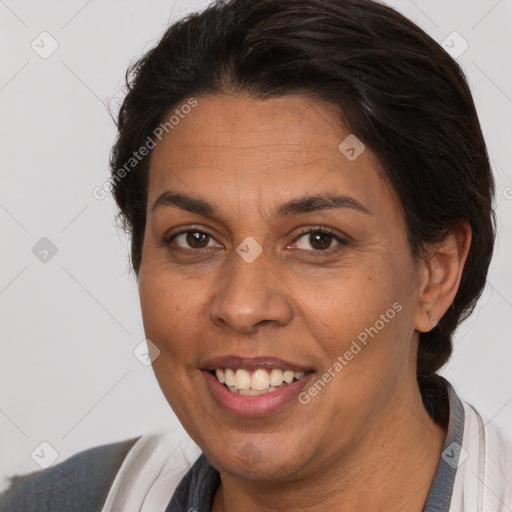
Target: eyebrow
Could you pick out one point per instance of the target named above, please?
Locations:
(305, 204)
(318, 202)
(184, 202)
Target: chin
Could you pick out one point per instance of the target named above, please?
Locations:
(254, 459)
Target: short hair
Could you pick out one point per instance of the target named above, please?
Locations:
(395, 87)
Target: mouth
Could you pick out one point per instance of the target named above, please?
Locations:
(255, 382)
(254, 387)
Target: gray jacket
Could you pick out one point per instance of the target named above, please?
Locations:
(78, 484)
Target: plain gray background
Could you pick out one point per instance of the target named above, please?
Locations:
(69, 325)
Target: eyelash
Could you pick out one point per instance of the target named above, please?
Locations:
(319, 229)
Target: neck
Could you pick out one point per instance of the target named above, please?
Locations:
(392, 468)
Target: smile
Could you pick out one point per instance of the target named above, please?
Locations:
(255, 382)
(255, 386)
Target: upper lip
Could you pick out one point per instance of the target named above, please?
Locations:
(252, 363)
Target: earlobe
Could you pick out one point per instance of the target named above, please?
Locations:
(443, 268)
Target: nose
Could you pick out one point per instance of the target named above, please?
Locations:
(250, 295)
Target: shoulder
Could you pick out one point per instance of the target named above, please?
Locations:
(80, 483)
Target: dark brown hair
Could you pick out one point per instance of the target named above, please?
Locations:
(396, 88)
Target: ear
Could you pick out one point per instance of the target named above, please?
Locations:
(440, 273)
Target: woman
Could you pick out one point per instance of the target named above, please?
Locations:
(309, 200)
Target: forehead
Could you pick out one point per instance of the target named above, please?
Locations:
(266, 151)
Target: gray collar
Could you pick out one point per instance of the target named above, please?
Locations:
(441, 491)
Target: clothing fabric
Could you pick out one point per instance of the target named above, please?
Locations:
(80, 483)
(166, 472)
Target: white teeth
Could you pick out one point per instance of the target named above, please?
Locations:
(248, 392)
(242, 379)
(260, 381)
(229, 377)
(220, 375)
(276, 377)
(251, 392)
(288, 376)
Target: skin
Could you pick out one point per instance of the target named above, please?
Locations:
(367, 430)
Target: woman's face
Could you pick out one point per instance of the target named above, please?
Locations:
(237, 275)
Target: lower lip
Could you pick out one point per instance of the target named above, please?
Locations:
(254, 406)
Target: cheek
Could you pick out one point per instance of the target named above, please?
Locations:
(169, 310)
(363, 316)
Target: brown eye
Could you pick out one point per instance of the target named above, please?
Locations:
(191, 240)
(318, 240)
(197, 240)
